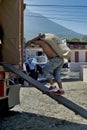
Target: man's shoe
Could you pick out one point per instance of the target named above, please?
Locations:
(52, 89)
(59, 92)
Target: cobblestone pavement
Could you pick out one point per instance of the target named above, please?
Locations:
(39, 112)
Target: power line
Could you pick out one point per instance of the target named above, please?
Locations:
(75, 13)
(70, 10)
(78, 6)
(75, 20)
(65, 13)
(60, 10)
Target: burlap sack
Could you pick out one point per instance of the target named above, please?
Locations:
(58, 46)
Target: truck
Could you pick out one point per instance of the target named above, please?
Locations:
(11, 50)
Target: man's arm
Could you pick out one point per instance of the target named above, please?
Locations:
(36, 39)
(37, 42)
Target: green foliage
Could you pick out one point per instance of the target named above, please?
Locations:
(84, 39)
(74, 40)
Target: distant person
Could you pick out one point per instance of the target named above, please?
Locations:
(13, 79)
(53, 67)
(65, 65)
(32, 68)
(26, 68)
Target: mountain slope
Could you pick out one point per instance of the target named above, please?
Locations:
(35, 24)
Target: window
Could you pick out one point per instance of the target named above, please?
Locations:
(85, 56)
(76, 56)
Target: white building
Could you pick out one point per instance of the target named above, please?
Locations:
(79, 55)
(37, 53)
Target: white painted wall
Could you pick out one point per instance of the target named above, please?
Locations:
(75, 66)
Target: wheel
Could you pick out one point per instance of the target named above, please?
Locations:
(4, 105)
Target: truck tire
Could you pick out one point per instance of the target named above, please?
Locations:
(4, 105)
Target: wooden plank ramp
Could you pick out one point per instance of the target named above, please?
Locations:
(60, 99)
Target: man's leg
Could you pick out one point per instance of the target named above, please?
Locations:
(60, 85)
(50, 80)
(52, 72)
(56, 84)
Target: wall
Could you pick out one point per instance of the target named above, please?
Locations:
(75, 66)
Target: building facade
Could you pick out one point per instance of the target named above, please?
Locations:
(79, 55)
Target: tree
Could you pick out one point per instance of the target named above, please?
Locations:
(84, 39)
(74, 40)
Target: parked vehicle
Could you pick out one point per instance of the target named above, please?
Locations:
(11, 50)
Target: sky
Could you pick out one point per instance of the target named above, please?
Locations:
(68, 13)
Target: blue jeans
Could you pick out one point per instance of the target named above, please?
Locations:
(53, 67)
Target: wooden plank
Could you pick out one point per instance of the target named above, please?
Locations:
(60, 99)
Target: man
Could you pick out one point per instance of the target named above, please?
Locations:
(52, 67)
(33, 68)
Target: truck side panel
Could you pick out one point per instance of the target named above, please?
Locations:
(10, 19)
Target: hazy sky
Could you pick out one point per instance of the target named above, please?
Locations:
(69, 13)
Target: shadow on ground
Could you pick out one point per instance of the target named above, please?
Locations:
(30, 121)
